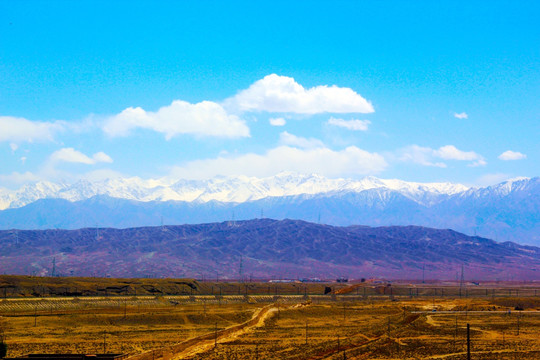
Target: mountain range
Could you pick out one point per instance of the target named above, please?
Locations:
(509, 211)
(265, 248)
(234, 189)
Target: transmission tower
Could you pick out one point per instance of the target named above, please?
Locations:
(461, 281)
(240, 269)
(97, 232)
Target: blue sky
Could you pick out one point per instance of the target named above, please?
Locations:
(420, 91)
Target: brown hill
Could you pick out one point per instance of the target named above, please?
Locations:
(265, 248)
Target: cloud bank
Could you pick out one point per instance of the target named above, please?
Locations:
(16, 129)
(319, 160)
(282, 94)
(429, 157)
(71, 155)
(206, 118)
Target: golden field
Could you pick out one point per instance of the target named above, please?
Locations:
(286, 326)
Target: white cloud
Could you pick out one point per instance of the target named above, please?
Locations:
(48, 173)
(15, 129)
(462, 115)
(102, 157)
(512, 155)
(49, 170)
(450, 152)
(73, 156)
(202, 119)
(427, 156)
(480, 162)
(419, 155)
(288, 139)
(320, 160)
(13, 147)
(277, 121)
(276, 93)
(356, 125)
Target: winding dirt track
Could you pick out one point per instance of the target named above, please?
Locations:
(464, 353)
(205, 342)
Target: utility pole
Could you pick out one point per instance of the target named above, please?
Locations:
(468, 342)
(455, 336)
(306, 331)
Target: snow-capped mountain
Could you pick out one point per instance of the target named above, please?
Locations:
(507, 211)
(224, 189)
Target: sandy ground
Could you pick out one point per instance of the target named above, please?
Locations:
(205, 345)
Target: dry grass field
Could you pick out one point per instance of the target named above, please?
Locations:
(390, 330)
(292, 326)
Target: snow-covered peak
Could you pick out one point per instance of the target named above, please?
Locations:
(438, 188)
(225, 189)
(510, 185)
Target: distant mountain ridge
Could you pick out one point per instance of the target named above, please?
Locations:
(507, 211)
(266, 249)
(234, 189)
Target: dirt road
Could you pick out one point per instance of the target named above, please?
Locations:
(207, 342)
